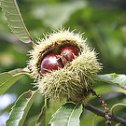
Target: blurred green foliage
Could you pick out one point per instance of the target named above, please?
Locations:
(103, 24)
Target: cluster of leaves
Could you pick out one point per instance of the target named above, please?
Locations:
(68, 114)
(31, 108)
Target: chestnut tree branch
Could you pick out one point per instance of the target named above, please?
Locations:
(101, 113)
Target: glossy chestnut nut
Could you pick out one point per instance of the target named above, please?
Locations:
(51, 62)
(69, 52)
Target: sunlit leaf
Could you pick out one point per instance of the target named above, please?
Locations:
(7, 79)
(118, 79)
(21, 108)
(15, 21)
(67, 115)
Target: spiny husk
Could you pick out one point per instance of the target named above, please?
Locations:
(51, 40)
(72, 81)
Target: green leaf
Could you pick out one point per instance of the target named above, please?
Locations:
(119, 79)
(15, 21)
(4, 77)
(32, 121)
(21, 108)
(41, 121)
(67, 115)
(116, 106)
(7, 75)
(7, 79)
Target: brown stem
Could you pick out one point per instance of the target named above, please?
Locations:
(106, 109)
(101, 113)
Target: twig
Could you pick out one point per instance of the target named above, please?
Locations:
(101, 113)
(105, 106)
